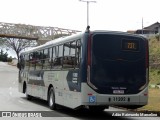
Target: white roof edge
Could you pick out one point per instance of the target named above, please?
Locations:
(55, 41)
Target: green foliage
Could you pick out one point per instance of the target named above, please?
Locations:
(15, 44)
(154, 60)
(3, 56)
(154, 52)
(154, 76)
(2, 40)
(157, 37)
(9, 59)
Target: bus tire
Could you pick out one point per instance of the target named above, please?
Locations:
(97, 108)
(51, 99)
(29, 97)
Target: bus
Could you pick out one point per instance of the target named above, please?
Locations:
(93, 69)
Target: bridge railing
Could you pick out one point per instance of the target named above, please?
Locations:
(32, 32)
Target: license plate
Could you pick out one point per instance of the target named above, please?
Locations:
(119, 99)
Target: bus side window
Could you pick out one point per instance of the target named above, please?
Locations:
(32, 61)
(46, 58)
(75, 52)
(50, 59)
(60, 52)
(37, 60)
(66, 56)
(57, 62)
(71, 57)
(26, 61)
(78, 52)
(53, 56)
(22, 61)
(39, 57)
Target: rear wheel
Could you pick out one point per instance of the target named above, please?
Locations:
(51, 99)
(29, 97)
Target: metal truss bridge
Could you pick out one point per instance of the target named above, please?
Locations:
(39, 33)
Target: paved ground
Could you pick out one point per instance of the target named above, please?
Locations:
(11, 100)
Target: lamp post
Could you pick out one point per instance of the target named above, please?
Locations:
(87, 8)
(142, 25)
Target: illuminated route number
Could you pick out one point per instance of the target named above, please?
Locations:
(132, 45)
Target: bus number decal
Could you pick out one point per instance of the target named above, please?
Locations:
(119, 99)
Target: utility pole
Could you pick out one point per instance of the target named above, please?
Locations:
(87, 8)
(142, 25)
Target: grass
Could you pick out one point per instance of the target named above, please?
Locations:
(153, 101)
(154, 76)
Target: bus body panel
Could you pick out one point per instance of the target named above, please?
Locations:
(117, 62)
(63, 94)
(110, 99)
(71, 85)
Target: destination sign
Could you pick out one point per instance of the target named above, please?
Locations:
(132, 45)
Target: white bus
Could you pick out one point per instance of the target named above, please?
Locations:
(94, 69)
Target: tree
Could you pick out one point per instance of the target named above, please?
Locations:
(16, 44)
(3, 56)
(20, 44)
(157, 36)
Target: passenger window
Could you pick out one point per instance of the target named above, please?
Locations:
(60, 52)
(71, 54)
(39, 57)
(50, 53)
(26, 61)
(46, 58)
(32, 61)
(22, 62)
(66, 49)
(54, 52)
(57, 60)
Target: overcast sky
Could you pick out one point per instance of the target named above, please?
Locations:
(117, 15)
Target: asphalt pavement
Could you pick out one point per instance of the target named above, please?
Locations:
(15, 104)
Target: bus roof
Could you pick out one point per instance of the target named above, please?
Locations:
(55, 42)
(74, 37)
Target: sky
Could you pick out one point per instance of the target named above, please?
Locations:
(115, 15)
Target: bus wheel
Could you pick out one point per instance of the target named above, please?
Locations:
(29, 97)
(51, 99)
(97, 108)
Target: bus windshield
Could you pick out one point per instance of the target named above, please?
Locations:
(118, 64)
